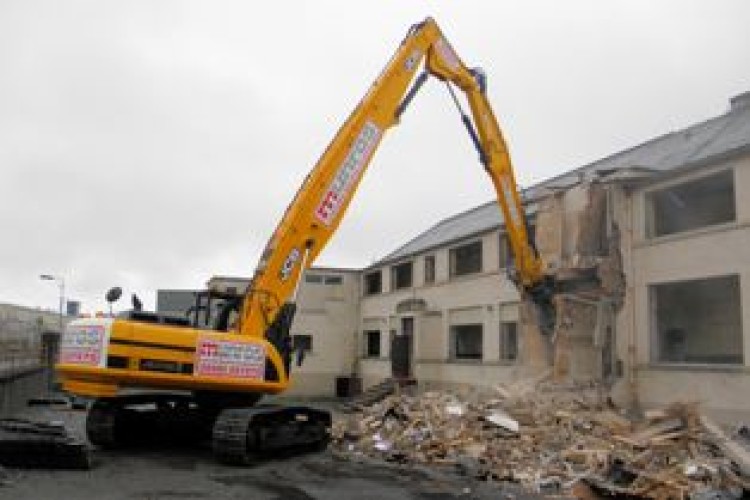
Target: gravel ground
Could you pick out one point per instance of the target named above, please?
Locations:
(191, 473)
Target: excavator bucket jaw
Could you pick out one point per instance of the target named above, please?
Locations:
(542, 295)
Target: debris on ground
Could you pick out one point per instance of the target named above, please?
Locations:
(551, 440)
(28, 443)
(5, 477)
(58, 401)
(51, 401)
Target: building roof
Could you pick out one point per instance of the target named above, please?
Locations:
(721, 137)
(476, 221)
(243, 280)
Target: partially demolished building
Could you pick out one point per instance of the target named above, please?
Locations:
(650, 246)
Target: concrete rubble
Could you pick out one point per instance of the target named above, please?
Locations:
(552, 439)
(41, 444)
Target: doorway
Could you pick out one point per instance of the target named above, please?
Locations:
(401, 349)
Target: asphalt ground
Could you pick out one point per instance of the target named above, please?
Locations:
(190, 472)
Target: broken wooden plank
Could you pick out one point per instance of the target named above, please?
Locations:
(654, 430)
(564, 435)
(734, 451)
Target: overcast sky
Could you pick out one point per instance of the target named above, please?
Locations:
(153, 144)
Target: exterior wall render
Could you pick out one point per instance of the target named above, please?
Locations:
(330, 315)
(474, 298)
(713, 251)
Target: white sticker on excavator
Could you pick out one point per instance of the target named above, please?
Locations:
(85, 343)
(335, 196)
(288, 266)
(230, 358)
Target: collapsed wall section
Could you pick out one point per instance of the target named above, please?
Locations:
(579, 243)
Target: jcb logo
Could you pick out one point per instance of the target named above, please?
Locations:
(288, 266)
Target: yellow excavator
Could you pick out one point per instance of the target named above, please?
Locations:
(215, 371)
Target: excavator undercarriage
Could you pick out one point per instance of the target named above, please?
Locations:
(238, 436)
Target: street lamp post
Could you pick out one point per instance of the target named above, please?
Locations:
(61, 283)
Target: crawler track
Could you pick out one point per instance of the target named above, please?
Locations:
(145, 419)
(242, 435)
(239, 435)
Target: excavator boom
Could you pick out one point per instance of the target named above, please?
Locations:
(320, 204)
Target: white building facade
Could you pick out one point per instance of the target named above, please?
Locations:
(679, 206)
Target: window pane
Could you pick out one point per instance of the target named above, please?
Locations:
(466, 259)
(698, 321)
(401, 275)
(302, 342)
(333, 280)
(373, 283)
(509, 341)
(692, 205)
(372, 343)
(429, 269)
(466, 341)
(313, 278)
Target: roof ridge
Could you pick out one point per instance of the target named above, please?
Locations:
(588, 166)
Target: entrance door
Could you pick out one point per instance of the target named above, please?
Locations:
(401, 349)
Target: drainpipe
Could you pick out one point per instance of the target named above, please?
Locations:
(632, 379)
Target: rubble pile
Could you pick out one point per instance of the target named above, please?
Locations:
(550, 440)
(39, 444)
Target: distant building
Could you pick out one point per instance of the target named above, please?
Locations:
(22, 330)
(175, 302)
(73, 308)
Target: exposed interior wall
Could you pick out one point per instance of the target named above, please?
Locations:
(579, 242)
(548, 234)
(536, 353)
(575, 354)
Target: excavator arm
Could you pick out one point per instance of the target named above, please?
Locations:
(319, 205)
